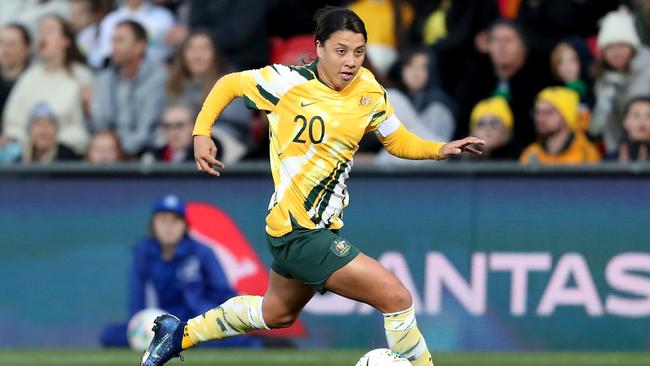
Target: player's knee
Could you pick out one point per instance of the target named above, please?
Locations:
(399, 299)
(280, 319)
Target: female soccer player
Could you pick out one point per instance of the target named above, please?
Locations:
(317, 113)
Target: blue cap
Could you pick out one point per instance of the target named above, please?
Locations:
(170, 203)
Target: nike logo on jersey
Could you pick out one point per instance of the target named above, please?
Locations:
(303, 104)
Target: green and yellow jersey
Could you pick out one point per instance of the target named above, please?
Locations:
(314, 133)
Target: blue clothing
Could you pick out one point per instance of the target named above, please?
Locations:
(190, 284)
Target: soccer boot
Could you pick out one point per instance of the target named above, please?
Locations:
(166, 342)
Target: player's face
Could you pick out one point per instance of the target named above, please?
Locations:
(340, 57)
(168, 228)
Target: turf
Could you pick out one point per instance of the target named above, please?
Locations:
(312, 358)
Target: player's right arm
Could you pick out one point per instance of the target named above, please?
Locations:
(253, 85)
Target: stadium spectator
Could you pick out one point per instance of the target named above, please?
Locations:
(451, 28)
(514, 73)
(556, 116)
(177, 124)
(30, 12)
(622, 71)
(492, 122)
(157, 21)
(423, 107)
(104, 148)
(386, 23)
(174, 272)
(130, 94)
(196, 67)
(239, 27)
(636, 141)
(60, 79)
(566, 68)
(90, 37)
(42, 144)
(15, 45)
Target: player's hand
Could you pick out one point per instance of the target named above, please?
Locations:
(458, 146)
(205, 152)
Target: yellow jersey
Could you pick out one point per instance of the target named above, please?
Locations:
(314, 132)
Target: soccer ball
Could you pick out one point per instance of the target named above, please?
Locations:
(138, 331)
(382, 357)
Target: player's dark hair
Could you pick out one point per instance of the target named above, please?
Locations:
(136, 28)
(332, 19)
(637, 99)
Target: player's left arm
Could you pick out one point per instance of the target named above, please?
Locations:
(404, 144)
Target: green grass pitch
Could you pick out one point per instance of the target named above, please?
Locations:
(42, 357)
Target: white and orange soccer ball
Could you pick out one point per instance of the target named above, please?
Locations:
(138, 331)
(382, 357)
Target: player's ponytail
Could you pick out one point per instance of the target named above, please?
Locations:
(332, 19)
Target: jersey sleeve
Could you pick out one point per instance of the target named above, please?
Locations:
(260, 88)
(382, 111)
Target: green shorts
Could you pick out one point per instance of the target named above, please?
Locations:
(310, 255)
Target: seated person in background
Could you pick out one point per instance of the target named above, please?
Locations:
(424, 108)
(42, 144)
(59, 79)
(173, 272)
(566, 68)
(492, 121)
(197, 65)
(177, 125)
(129, 94)
(636, 141)
(104, 148)
(556, 116)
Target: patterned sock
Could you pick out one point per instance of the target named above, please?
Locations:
(234, 317)
(405, 338)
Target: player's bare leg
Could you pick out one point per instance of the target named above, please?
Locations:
(284, 300)
(366, 280)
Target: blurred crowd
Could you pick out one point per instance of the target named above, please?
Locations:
(542, 81)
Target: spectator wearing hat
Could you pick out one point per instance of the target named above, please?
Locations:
(492, 121)
(173, 272)
(515, 72)
(42, 144)
(622, 72)
(636, 140)
(556, 117)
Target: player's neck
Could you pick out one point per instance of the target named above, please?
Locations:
(320, 74)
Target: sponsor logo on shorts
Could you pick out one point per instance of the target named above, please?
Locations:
(340, 247)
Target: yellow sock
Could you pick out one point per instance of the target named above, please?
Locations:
(234, 317)
(404, 337)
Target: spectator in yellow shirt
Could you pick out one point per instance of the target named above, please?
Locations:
(556, 116)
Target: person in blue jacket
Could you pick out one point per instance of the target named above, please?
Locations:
(174, 272)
